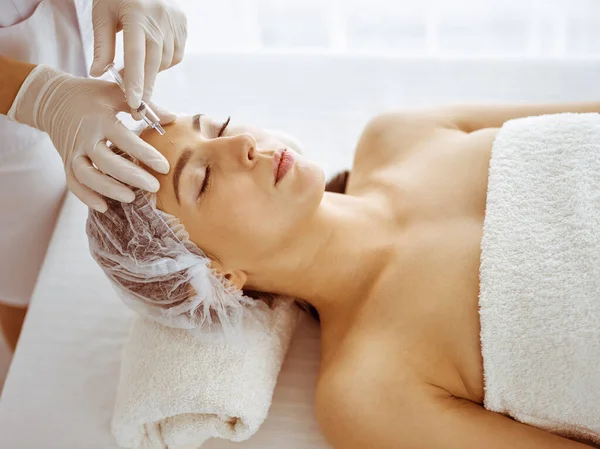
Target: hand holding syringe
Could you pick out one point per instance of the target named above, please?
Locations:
(147, 114)
(145, 111)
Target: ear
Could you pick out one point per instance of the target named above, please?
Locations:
(236, 277)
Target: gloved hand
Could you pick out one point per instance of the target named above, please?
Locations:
(79, 115)
(154, 35)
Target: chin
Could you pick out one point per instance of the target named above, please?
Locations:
(301, 197)
(309, 179)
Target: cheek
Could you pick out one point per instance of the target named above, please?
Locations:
(241, 217)
(239, 211)
(255, 214)
(250, 222)
(237, 234)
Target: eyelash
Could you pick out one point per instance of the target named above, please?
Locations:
(224, 127)
(206, 182)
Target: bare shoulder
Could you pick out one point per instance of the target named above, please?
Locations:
(402, 129)
(360, 391)
(387, 138)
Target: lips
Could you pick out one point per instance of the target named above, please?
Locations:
(283, 160)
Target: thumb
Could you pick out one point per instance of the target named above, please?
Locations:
(105, 31)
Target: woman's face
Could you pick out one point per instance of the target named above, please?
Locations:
(239, 191)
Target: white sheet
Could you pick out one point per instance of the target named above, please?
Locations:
(61, 387)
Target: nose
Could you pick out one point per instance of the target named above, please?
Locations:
(244, 148)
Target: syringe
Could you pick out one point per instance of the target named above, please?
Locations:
(146, 112)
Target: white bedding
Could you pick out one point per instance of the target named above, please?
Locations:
(61, 387)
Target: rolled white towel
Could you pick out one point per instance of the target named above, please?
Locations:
(177, 391)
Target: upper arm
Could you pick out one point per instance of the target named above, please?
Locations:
(467, 117)
(472, 117)
(355, 416)
(461, 423)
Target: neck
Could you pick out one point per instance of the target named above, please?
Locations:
(333, 260)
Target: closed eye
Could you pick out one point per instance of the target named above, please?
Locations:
(205, 182)
(207, 175)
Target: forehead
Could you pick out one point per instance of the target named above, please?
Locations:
(179, 132)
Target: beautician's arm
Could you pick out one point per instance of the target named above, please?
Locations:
(12, 75)
(406, 417)
(469, 118)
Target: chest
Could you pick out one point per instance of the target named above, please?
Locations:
(440, 177)
(427, 304)
(426, 301)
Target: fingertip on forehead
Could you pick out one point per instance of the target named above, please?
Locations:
(146, 133)
(150, 170)
(149, 134)
(163, 143)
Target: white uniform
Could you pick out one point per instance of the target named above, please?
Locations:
(32, 180)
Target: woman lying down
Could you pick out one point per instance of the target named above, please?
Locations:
(455, 274)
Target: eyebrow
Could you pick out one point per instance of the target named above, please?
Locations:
(196, 121)
(181, 163)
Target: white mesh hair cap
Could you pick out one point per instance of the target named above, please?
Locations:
(161, 274)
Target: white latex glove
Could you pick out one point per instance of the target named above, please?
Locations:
(154, 35)
(79, 115)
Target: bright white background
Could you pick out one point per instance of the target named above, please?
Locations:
(529, 28)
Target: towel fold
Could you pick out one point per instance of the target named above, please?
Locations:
(176, 391)
(540, 275)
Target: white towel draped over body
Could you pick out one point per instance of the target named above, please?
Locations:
(540, 275)
(177, 391)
